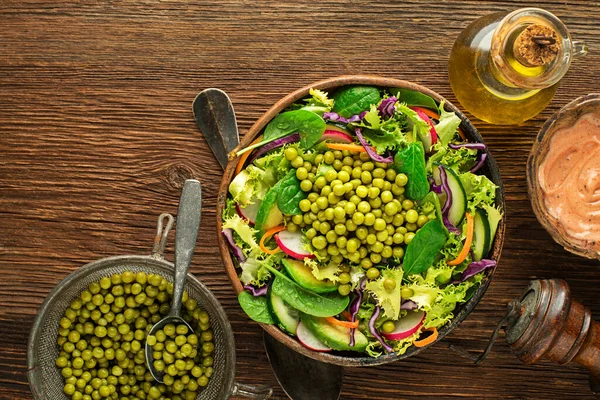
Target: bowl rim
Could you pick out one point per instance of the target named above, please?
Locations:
(562, 118)
(332, 83)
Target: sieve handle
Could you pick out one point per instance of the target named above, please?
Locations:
(186, 234)
(252, 392)
(162, 233)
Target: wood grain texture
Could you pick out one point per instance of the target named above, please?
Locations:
(97, 136)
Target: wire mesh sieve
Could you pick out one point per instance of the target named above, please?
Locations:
(45, 379)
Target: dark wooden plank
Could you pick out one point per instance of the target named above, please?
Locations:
(97, 135)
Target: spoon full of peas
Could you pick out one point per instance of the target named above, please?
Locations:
(176, 337)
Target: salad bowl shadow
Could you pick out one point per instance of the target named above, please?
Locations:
(490, 169)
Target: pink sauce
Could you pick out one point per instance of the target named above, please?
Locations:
(570, 180)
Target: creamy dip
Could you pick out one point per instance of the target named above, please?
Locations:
(570, 180)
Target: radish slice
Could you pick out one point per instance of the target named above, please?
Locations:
(433, 137)
(249, 212)
(309, 340)
(291, 244)
(406, 326)
(336, 137)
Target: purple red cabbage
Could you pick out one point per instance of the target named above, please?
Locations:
(355, 306)
(237, 251)
(256, 292)
(387, 107)
(444, 179)
(450, 226)
(372, 153)
(480, 162)
(335, 117)
(273, 145)
(435, 188)
(470, 146)
(408, 305)
(374, 332)
(476, 267)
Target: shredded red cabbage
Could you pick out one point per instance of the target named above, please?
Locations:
(355, 306)
(335, 117)
(237, 251)
(480, 162)
(446, 188)
(256, 292)
(470, 146)
(372, 153)
(387, 107)
(435, 188)
(408, 305)
(374, 332)
(476, 267)
(450, 226)
(273, 145)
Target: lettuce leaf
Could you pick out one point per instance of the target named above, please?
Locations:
(254, 271)
(382, 134)
(245, 232)
(323, 272)
(400, 346)
(441, 311)
(319, 103)
(447, 127)
(420, 127)
(480, 190)
(389, 300)
(251, 183)
(424, 294)
(459, 160)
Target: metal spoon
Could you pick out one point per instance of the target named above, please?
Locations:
(301, 378)
(186, 233)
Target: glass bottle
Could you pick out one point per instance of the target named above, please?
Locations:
(505, 68)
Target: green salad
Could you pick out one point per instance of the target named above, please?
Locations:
(359, 220)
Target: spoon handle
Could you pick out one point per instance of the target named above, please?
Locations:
(186, 233)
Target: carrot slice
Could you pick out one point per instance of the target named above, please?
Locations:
(266, 236)
(244, 157)
(434, 115)
(347, 315)
(343, 146)
(345, 324)
(428, 340)
(468, 240)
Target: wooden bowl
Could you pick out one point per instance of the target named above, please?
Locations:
(490, 169)
(565, 117)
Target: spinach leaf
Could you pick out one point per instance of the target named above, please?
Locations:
(414, 98)
(352, 100)
(306, 301)
(309, 125)
(425, 246)
(290, 194)
(411, 161)
(256, 307)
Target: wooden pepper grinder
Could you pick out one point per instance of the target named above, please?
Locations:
(547, 323)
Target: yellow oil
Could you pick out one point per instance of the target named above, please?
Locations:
(478, 86)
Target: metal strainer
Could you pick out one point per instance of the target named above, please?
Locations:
(45, 379)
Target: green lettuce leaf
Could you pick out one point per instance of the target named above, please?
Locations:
(459, 160)
(447, 127)
(389, 300)
(254, 271)
(424, 294)
(251, 183)
(323, 272)
(481, 191)
(319, 103)
(400, 346)
(420, 127)
(245, 232)
(441, 311)
(382, 134)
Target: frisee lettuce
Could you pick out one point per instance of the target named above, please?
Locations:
(481, 191)
(389, 300)
(382, 134)
(447, 127)
(243, 229)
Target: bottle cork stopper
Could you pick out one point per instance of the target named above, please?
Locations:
(537, 45)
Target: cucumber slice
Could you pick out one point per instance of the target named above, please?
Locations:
(304, 277)
(286, 317)
(334, 336)
(268, 215)
(458, 208)
(481, 235)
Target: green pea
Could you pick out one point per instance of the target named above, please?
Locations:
(388, 327)
(319, 242)
(398, 252)
(322, 203)
(352, 245)
(297, 162)
(365, 177)
(290, 153)
(372, 273)
(387, 251)
(375, 257)
(401, 180)
(391, 209)
(358, 218)
(344, 290)
(301, 173)
(408, 237)
(377, 247)
(373, 192)
(389, 284)
(306, 185)
(382, 235)
(422, 220)
(411, 215)
(332, 199)
(379, 224)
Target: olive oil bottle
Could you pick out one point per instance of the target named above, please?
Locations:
(505, 68)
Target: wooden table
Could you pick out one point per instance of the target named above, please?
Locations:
(97, 136)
